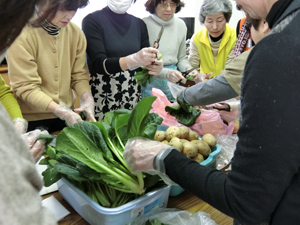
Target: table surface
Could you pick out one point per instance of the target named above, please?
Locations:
(184, 201)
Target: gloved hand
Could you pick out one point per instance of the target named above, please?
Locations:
(230, 113)
(20, 124)
(174, 76)
(143, 155)
(87, 106)
(199, 77)
(36, 147)
(63, 112)
(155, 69)
(144, 57)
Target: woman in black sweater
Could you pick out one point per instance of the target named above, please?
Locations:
(263, 186)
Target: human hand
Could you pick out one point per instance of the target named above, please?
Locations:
(144, 57)
(139, 154)
(21, 125)
(228, 111)
(175, 76)
(199, 77)
(36, 147)
(155, 69)
(87, 106)
(65, 113)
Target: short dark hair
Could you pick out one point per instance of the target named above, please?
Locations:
(15, 14)
(151, 5)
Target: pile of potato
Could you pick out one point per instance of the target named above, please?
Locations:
(187, 142)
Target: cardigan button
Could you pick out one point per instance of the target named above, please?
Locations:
(54, 51)
(55, 92)
(55, 66)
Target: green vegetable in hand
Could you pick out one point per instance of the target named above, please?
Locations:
(143, 76)
(185, 113)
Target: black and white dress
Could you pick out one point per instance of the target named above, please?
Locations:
(111, 36)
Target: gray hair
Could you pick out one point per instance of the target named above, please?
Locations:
(213, 7)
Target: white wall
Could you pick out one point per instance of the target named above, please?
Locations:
(191, 9)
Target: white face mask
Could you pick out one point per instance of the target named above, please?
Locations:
(119, 6)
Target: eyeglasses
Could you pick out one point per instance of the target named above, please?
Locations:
(165, 5)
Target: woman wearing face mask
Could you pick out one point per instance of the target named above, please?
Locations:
(172, 45)
(45, 64)
(117, 44)
(210, 46)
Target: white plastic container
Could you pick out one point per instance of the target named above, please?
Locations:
(95, 214)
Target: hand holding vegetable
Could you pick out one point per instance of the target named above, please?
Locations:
(155, 69)
(174, 76)
(36, 146)
(143, 155)
(21, 125)
(144, 57)
(65, 113)
(87, 106)
(199, 77)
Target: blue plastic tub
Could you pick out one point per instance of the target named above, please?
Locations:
(94, 214)
(210, 161)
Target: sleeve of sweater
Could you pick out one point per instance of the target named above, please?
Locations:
(208, 92)
(96, 52)
(183, 62)
(265, 168)
(8, 100)
(80, 73)
(194, 57)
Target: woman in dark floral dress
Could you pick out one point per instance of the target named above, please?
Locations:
(117, 45)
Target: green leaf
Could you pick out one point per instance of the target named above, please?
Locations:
(185, 113)
(135, 127)
(44, 161)
(47, 137)
(121, 122)
(150, 123)
(50, 176)
(51, 152)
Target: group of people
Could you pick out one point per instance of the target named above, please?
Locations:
(46, 57)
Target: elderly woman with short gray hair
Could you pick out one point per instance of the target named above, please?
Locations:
(211, 45)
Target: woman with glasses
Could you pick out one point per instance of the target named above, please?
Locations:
(211, 45)
(172, 44)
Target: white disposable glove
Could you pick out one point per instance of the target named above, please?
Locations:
(21, 125)
(228, 114)
(155, 69)
(144, 155)
(87, 106)
(199, 77)
(174, 76)
(144, 57)
(36, 147)
(63, 112)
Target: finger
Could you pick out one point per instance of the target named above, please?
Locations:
(38, 149)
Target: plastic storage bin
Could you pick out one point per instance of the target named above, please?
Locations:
(95, 214)
(210, 161)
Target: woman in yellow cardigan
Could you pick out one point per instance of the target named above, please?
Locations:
(211, 45)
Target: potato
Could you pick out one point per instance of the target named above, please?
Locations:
(194, 141)
(210, 140)
(184, 132)
(198, 158)
(171, 132)
(203, 148)
(236, 126)
(160, 136)
(184, 140)
(193, 135)
(165, 142)
(176, 143)
(189, 149)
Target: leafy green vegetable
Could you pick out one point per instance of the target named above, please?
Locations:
(90, 155)
(185, 113)
(143, 76)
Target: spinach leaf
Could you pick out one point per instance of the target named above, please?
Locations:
(185, 113)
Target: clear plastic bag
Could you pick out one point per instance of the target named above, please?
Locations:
(172, 216)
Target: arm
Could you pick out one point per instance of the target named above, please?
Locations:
(183, 62)
(8, 100)
(208, 92)
(194, 57)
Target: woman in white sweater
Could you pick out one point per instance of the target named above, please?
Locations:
(172, 44)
